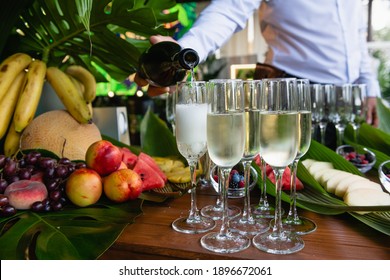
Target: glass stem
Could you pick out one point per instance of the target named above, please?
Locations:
(173, 128)
(292, 214)
(263, 195)
(278, 226)
(194, 212)
(340, 135)
(246, 213)
(224, 174)
(323, 131)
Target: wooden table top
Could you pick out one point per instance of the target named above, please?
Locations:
(339, 237)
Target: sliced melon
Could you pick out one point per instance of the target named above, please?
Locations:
(329, 174)
(367, 197)
(308, 162)
(344, 184)
(363, 185)
(318, 166)
(332, 183)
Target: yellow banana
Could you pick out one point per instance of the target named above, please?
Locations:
(68, 94)
(86, 78)
(8, 103)
(30, 95)
(10, 68)
(80, 88)
(12, 142)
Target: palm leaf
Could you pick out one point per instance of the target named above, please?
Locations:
(74, 233)
(52, 31)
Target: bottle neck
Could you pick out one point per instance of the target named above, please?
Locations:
(187, 58)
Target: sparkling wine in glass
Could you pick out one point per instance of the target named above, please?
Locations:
(318, 110)
(226, 142)
(279, 122)
(191, 120)
(247, 223)
(358, 116)
(343, 110)
(215, 211)
(294, 223)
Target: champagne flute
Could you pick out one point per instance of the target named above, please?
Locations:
(279, 123)
(215, 211)
(317, 108)
(226, 142)
(191, 113)
(293, 222)
(247, 224)
(343, 110)
(359, 92)
(170, 108)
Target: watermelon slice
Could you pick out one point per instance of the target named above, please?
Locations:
(285, 180)
(149, 160)
(150, 179)
(128, 157)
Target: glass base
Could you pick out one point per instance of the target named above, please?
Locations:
(197, 225)
(262, 211)
(285, 243)
(299, 226)
(215, 212)
(249, 226)
(230, 243)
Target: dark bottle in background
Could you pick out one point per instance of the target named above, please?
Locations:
(166, 63)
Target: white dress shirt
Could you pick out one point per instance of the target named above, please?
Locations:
(323, 40)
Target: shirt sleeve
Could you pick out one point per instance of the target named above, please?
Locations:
(216, 24)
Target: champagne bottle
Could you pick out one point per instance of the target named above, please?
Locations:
(166, 63)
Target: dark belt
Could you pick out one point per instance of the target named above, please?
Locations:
(266, 71)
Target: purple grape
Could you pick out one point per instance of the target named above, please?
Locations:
(3, 200)
(64, 161)
(2, 160)
(24, 174)
(55, 195)
(10, 168)
(3, 185)
(38, 206)
(61, 171)
(47, 162)
(8, 211)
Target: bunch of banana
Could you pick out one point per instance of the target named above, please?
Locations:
(76, 89)
(21, 83)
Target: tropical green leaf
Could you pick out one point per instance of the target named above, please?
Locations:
(73, 233)
(156, 138)
(383, 109)
(91, 31)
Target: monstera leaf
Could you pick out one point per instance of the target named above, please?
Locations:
(90, 32)
(74, 233)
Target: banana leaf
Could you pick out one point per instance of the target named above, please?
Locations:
(156, 138)
(73, 233)
(90, 31)
(383, 109)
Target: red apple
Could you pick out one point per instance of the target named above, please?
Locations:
(84, 187)
(23, 193)
(103, 157)
(122, 185)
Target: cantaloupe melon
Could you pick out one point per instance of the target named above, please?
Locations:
(58, 132)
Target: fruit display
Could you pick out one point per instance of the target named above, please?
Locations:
(355, 190)
(21, 82)
(38, 182)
